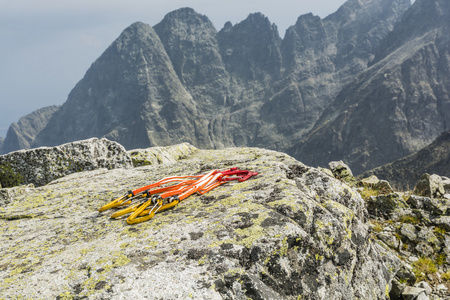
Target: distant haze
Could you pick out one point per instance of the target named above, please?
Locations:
(47, 46)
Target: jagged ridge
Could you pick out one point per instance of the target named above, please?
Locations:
(397, 106)
(184, 81)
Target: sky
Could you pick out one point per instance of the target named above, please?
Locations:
(47, 46)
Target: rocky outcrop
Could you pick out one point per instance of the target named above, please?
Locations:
(21, 135)
(292, 231)
(43, 165)
(161, 155)
(342, 172)
(398, 105)
(405, 172)
(415, 225)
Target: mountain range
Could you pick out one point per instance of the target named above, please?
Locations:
(368, 84)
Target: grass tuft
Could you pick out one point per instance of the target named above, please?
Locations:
(409, 219)
(423, 267)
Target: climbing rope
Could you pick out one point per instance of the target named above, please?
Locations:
(143, 203)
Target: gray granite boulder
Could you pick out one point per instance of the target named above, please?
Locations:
(161, 155)
(413, 293)
(342, 172)
(390, 206)
(41, 165)
(376, 184)
(430, 186)
(433, 206)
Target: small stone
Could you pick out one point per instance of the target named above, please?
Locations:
(405, 273)
(424, 249)
(422, 296)
(369, 181)
(384, 186)
(412, 293)
(396, 290)
(424, 285)
(409, 231)
(431, 205)
(446, 184)
(443, 222)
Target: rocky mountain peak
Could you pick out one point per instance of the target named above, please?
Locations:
(185, 14)
(137, 31)
(132, 78)
(189, 39)
(227, 26)
(251, 48)
(259, 21)
(423, 17)
(187, 22)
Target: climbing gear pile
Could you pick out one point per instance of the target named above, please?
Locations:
(169, 191)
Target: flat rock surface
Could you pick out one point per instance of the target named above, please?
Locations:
(290, 231)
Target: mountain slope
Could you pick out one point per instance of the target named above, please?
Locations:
(397, 106)
(21, 135)
(131, 94)
(406, 172)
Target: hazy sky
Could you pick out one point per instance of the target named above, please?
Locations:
(46, 46)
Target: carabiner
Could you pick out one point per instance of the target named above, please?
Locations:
(135, 217)
(118, 202)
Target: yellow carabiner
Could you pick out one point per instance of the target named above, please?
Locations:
(125, 211)
(115, 203)
(173, 201)
(134, 218)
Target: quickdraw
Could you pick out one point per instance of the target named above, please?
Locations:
(170, 191)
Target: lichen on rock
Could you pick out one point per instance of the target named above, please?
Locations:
(291, 231)
(160, 155)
